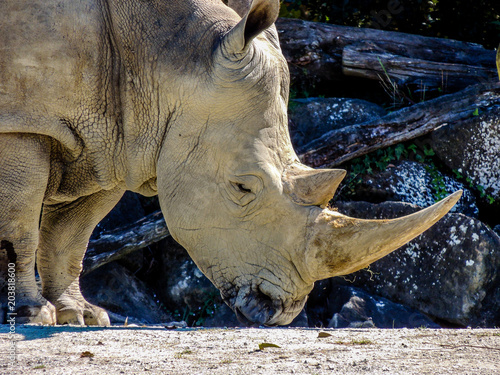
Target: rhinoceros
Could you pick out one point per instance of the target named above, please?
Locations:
(186, 99)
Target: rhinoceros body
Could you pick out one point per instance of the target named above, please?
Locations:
(181, 98)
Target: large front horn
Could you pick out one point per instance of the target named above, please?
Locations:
(338, 245)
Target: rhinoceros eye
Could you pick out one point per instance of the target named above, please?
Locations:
(243, 188)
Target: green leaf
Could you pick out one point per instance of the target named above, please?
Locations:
(476, 112)
(381, 165)
(458, 174)
(428, 151)
(399, 151)
(264, 345)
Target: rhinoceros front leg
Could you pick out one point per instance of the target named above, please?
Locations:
(24, 173)
(64, 233)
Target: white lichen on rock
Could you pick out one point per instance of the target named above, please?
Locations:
(484, 156)
(412, 183)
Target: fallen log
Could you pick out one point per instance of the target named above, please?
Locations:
(115, 244)
(338, 146)
(319, 54)
(381, 61)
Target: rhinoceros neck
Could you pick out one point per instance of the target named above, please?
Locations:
(163, 47)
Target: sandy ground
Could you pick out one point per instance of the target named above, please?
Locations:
(157, 350)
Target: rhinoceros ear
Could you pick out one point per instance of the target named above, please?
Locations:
(239, 6)
(260, 16)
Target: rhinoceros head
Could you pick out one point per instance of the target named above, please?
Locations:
(236, 196)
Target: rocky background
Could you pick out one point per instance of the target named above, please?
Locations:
(447, 277)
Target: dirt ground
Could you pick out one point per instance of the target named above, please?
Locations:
(157, 350)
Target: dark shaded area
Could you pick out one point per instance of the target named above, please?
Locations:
(9, 248)
(471, 21)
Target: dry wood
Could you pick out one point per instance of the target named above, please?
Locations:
(321, 53)
(379, 60)
(338, 146)
(115, 244)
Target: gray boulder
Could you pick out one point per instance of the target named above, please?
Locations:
(450, 272)
(413, 182)
(355, 308)
(312, 117)
(472, 147)
(181, 286)
(116, 289)
(222, 316)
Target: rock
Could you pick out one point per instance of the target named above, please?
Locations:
(114, 288)
(311, 118)
(223, 316)
(416, 183)
(489, 315)
(318, 314)
(300, 320)
(336, 303)
(355, 308)
(448, 272)
(472, 148)
(189, 287)
(179, 282)
(184, 291)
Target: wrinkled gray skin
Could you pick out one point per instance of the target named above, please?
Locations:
(184, 99)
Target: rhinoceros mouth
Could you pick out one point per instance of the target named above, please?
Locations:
(257, 311)
(254, 308)
(260, 318)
